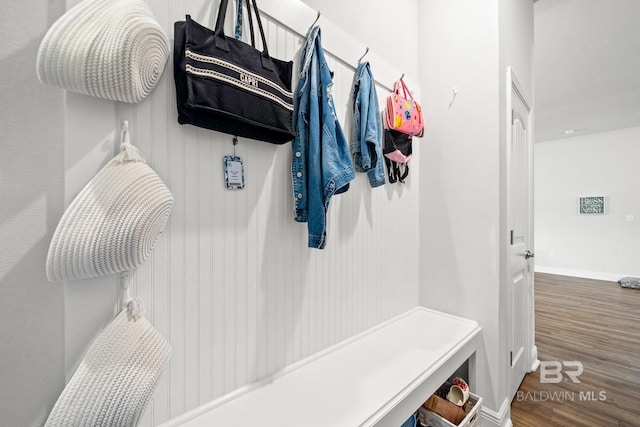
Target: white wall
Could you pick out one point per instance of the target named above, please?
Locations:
(31, 193)
(597, 246)
(460, 175)
(468, 46)
(389, 28)
(231, 283)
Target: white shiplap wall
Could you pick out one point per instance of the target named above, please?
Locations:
(231, 283)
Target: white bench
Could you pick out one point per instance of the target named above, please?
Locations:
(376, 378)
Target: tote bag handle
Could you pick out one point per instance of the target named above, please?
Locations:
(221, 39)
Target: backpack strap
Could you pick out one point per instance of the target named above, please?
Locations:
(396, 171)
(390, 170)
(405, 174)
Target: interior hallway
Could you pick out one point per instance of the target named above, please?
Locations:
(594, 323)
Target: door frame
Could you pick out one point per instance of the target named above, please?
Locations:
(513, 85)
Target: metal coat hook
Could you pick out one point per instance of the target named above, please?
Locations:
(314, 22)
(124, 132)
(455, 92)
(126, 278)
(365, 54)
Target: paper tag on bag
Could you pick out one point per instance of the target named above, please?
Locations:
(233, 172)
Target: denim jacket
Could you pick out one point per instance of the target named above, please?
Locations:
(366, 141)
(321, 165)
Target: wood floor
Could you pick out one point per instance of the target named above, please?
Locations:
(595, 323)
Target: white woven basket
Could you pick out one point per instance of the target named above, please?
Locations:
(113, 223)
(111, 49)
(116, 379)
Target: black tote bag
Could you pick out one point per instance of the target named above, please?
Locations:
(229, 86)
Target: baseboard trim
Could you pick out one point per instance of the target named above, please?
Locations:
(502, 418)
(587, 274)
(535, 362)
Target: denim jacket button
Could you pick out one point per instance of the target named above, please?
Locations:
(299, 174)
(298, 154)
(299, 195)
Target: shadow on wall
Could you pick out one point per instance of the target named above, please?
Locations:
(31, 188)
(437, 227)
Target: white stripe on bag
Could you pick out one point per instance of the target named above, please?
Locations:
(234, 67)
(223, 77)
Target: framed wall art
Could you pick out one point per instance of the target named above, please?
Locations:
(592, 205)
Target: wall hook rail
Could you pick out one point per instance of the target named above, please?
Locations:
(453, 98)
(365, 54)
(314, 22)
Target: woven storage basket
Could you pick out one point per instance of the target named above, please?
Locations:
(472, 408)
(113, 223)
(115, 380)
(111, 49)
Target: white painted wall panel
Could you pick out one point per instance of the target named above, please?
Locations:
(32, 139)
(231, 282)
(459, 236)
(468, 46)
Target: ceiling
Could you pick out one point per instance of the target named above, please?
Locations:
(587, 66)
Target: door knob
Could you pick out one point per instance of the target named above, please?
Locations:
(528, 254)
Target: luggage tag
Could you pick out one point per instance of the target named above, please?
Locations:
(234, 169)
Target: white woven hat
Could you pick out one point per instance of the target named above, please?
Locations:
(117, 377)
(112, 49)
(114, 222)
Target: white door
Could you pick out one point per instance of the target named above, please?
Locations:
(520, 215)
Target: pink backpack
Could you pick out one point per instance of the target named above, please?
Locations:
(402, 113)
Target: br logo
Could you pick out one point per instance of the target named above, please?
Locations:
(553, 372)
